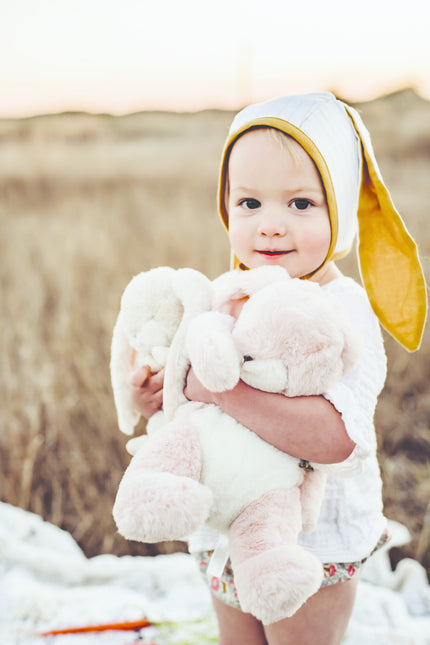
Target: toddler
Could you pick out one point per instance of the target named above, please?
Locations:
(298, 181)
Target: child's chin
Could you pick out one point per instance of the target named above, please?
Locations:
(278, 260)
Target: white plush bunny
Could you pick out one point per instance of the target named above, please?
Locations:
(203, 466)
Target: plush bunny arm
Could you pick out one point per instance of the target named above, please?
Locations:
(175, 373)
(211, 350)
(196, 293)
(268, 374)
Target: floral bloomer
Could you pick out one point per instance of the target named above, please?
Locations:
(224, 587)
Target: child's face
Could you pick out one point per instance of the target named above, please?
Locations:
(277, 207)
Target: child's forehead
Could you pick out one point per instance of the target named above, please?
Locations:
(266, 134)
(272, 135)
(257, 147)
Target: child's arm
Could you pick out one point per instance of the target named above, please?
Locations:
(147, 391)
(307, 427)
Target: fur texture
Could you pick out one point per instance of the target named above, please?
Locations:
(153, 307)
(203, 466)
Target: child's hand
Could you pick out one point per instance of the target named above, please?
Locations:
(233, 307)
(147, 390)
(194, 390)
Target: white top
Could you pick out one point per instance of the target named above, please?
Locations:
(351, 519)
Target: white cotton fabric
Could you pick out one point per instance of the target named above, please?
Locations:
(351, 519)
(46, 582)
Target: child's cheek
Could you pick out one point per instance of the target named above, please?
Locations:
(317, 238)
(236, 235)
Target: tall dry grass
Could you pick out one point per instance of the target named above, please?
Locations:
(88, 201)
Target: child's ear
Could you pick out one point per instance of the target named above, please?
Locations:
(389, 263)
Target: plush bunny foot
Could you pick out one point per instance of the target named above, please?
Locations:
(274, 584)
(157, 506)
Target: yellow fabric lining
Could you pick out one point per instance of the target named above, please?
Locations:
(389, 263)
(388, 256)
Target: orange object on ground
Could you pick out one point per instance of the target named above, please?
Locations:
(126, 626)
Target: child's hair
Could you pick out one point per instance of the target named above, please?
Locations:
(287, 143)
(296, 151)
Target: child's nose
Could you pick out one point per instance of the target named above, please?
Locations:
(272, 224)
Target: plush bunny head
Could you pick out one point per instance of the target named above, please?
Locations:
(291, 336)
(154, 307)
(295, 334)
(150, 313)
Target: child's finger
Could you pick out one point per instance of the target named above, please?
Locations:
(140, 376)
(147, 403)
(157, 380)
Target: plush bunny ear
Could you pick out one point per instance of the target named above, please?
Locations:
(195, 291)
(389, 264)
(238, 284)
(122, 355)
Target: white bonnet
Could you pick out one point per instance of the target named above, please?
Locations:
(334, 136)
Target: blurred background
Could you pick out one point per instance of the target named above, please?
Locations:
(112, 120)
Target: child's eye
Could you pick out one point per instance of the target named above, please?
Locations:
(301, 204)
(250, 203)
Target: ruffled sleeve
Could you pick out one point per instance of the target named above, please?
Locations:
(355, 397)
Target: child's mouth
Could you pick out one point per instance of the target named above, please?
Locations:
(268, 252)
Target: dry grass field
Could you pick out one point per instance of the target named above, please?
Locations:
(88, 201)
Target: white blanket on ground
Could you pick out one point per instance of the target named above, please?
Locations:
(47, 583)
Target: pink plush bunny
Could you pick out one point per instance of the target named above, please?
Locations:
(203, 466)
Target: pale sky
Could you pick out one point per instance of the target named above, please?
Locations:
(122, 56)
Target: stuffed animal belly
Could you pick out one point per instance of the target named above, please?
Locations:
(238, 466)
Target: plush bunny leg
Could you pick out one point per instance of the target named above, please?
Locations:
(273, 575)
(160, 497)
(311, 496)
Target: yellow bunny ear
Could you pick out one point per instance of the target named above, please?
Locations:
(388, 257)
